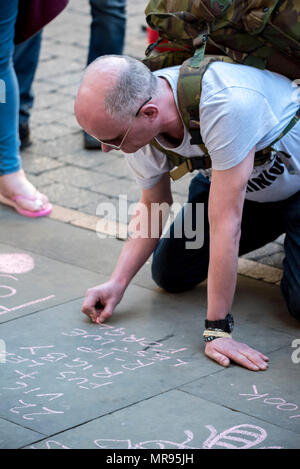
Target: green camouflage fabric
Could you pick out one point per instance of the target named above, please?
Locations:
(259, 33)
(262, 33)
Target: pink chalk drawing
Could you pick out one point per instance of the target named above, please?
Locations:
(52, 444)
(239, 437)
(278, 402)
(243, 436)
(16, 263)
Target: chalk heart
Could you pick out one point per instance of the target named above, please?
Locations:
(16, 263)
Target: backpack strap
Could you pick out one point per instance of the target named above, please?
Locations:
(285, 156)
(189, 93)
(290, 125)
(184, 164)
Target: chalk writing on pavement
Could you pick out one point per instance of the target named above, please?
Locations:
(243, 436)
(278, 402)
(93, 361)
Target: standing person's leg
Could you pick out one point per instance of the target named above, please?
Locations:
(107, 37)
(26, 58)
(9, 109)
(290, 284)
(176, 268)
(107, 28)
(15, 189)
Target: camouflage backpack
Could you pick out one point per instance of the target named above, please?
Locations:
(259, 33)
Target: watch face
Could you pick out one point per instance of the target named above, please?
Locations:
(230, 322)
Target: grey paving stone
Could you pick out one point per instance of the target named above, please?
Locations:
(30, 282)
(66, 104)
(83, 158)
(191, 306)
(113, 208)
(71, 196)
(58, 147)
(264, 252)
(111, 159)
(42, 86)
(280, 240)
(70, 91)
(121, 187)
(70, 121)
(46, 132)
(265, 305)
(70, 51)
(115, 166)
(13, 436)
(47, 54)
(175, 421)
(275, 260)
(46, 116)
(262, 305)
(95, 253)
(78, 177)
(58, 67)
(79, 7)
(99, 207)
(60, 241)
(48, 100)
(38, 164)
(40, 181)
(68, 371)
(272, 396)
(67, 78)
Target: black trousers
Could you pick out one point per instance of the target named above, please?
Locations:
(177, 269)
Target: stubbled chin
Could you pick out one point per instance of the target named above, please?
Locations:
(131, 150)
(135, 148)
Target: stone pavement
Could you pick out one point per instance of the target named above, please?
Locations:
(141, 380)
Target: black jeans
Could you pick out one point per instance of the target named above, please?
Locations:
(177, 269)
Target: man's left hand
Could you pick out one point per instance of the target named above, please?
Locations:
(224, 349)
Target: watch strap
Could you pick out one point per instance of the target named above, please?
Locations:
(221, 324)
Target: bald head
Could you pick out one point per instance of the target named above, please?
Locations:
(112, 89)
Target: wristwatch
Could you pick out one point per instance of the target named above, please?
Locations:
(219, 328)
(225, 325)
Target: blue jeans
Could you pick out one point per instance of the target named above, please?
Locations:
(26, 58)
(107, 28)
(177, 269)
(9, 109)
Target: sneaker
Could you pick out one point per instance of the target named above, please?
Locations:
(24, 133)
(90, 143)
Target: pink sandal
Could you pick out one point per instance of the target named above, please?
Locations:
(13, 202)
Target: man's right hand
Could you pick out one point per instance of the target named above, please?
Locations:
(223, 350)
(100, 302)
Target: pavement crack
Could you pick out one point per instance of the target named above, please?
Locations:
(169, 336)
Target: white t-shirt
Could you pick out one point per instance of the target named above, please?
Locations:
(240, 107)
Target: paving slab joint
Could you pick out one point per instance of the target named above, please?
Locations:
(107, 228)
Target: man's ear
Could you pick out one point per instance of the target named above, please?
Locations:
(150, 111)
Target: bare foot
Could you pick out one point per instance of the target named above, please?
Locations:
(16, 185)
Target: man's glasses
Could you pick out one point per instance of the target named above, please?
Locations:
(118, 147)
